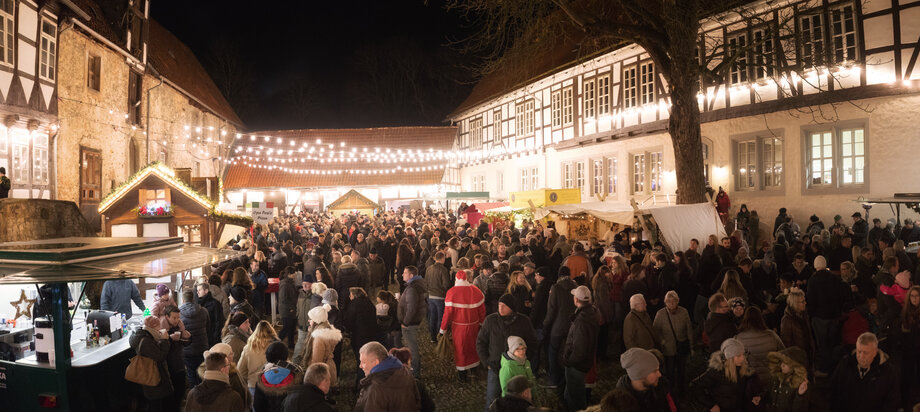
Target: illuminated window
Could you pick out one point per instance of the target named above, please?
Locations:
(589, 89)
(567, 106)
(759, 163)
(611, 175)
(603, 95)
(48, 58)
(556, 108)
(524, 118)
(476, 133)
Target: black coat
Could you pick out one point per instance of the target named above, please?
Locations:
(581, 342)
(358, 321)
(215, 317)
(307, 397)
(287, 298)
(876, 391)
(349, 277)
(540, 300)
(560, 308)
(492, 340)
(827, 295)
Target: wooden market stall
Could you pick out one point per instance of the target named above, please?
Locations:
(353, 202)
(155, 202)
(475, 212)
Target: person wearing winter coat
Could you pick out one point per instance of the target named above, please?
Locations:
(644, 383)
(196, 321)
(411, 310)
(676, 331)
(117, 295)
(237, 383)
(518, 398)
(150, 343)
(729, 383)
(559, 312)
(425, 401)
(865, 380)
(514, 363)
(321, 343)
(311, 396)
(438, 281)
(178, 338)
(788, 380)
(287, 306)
(276, 379)
(216, 316)
(464, 312)
(795, 328)
(252, 361)
(348, 277)
(388, 386)
(260, 283)
(638, 329)
(376, 272)
(492, 341)
(580, 348)
(214, 392)
(720, 323)
(758, 341)
(602, 298)
(237, 333)
(361, 330)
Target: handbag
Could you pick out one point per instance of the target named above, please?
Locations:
(683, 346)
(142, 370)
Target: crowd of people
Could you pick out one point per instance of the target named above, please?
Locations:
(524, 310)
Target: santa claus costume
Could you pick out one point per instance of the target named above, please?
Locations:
(464, 311)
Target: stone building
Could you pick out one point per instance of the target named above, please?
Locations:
(131, 93)
(816, 111)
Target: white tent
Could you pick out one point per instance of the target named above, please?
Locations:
(678, 223)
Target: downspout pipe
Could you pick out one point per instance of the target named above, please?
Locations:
(147, 120)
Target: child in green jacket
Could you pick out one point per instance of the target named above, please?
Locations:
(514, 363)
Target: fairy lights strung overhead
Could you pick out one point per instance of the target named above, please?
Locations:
(293, 170)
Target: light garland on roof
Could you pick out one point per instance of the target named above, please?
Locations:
(397, 169)
(164, 173)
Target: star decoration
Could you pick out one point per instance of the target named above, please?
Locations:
(18, 304)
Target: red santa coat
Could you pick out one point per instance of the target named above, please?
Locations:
(464, 311)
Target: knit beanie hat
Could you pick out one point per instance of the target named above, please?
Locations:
(382, 309)
(638, 363)
(508, 300)
(162, 289)
(276, 352)
(517, 385)
(820, 263)
(732, 347)
(238, 293)
(331, 297)
(514, 342)
(152, 322)
(318, 314)
(219, 348)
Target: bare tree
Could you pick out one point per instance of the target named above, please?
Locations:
(232, 74)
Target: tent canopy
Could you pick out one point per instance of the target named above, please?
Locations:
(482, 207)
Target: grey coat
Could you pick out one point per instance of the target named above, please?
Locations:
(683, 328)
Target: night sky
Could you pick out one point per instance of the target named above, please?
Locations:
(327, 64)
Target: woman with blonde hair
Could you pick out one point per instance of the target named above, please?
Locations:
(520, 289)
(252, 360)
(795, 327)
(731, 286)
(729, 384)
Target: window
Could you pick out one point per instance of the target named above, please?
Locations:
(611, 175)
(479, 183)
(580, 175)
(758, 163)
(568, 177)
(603, 95)
(7, 32)
(496, 126)
(638, 165)
(655, 170)
(40, 159)
(524, 118)
(843, 33)
(476, 133)
(647, 83)
(20, 158)
(597, 177)
(94, 72)
(135, 92)
(90, 175)
(567, 106)
(821, 151)
(556, 108)
(812, 32)
(853, 156)
(48, 60)
(747, 164)
(763, 54)
(524, 179)
(737, 49)
(629, 87)
(590, 109)
(534, 178)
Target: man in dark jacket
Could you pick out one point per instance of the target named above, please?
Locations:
(411, 310)
(278, 261)
(196, 320)
(439, 281)
(492, 341)
(860, 230)
(538, 313)
(559, 312)
(580, 347)
(865, 380)
(376, 272)
(719, 325)
(643, 381)
(388, 386)
(311, 396)
(215, 312)
(287, 306)
(827, 296)
(357, 323)
(117, 295)
(349, 277)
(214, 393)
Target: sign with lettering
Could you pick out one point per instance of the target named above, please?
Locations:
(262, 212)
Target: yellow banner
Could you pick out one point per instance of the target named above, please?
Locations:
(545, 197)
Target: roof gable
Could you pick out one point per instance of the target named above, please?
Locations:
(353, 200)
(160, 171)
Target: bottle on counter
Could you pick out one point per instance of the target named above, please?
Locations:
(96, 332)
(124, 325)
(89, 335)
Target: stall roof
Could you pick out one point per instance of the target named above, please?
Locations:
(482, 207)
(125, 258)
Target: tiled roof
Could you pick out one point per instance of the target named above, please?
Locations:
(176, 62)
(240, 176)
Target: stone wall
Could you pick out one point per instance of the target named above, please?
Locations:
(36, 219)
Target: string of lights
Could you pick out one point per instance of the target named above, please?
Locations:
(397, 169)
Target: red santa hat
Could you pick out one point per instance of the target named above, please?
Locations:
(461, 275)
